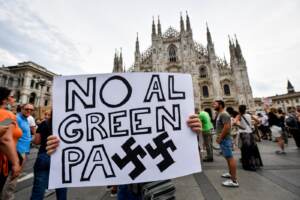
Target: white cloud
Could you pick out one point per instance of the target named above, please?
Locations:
(74, 36)
(31, 35)
(6, 58)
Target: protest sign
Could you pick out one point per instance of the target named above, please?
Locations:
(122, 128)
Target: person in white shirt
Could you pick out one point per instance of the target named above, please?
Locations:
(264, 126)
(32, 124)
(251, 159)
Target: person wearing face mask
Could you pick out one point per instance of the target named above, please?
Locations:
(10, 133)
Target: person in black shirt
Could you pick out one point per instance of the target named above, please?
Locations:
(281, 116)
(42, 164)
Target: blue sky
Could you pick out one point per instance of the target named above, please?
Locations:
(76, 36)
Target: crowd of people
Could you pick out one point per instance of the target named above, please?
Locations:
(242, 129)
(18, 130)
(234, 129)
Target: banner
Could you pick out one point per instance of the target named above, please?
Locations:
(122, 128)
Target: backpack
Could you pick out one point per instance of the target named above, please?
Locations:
(291, 122)
(159, 190)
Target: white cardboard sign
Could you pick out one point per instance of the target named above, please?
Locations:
(122, 128)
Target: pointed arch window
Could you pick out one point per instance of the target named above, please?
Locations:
(172, 54)
(205, 91)
(226, 90)
(203, 72)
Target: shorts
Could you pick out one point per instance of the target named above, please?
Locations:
(226, 147)
(276, 131)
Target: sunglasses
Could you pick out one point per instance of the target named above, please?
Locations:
(28, 109)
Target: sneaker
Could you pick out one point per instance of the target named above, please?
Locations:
(108, 188)
(230, 183)
(226, 175)
(280, 152)
(114, 191)
(113, 194)
(48, 193)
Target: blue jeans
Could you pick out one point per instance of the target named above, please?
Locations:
(226, 147)
(41, 177)
(125, 194)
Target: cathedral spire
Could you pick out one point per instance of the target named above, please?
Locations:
(121, 57)
(153, 28)
(237, 45)
(181, 23)
(231, 49)
(238, 50)
(120, 52)
(290, 87)
(231, 44)
(188, 25)
(209, 40)
(116, 62)
(158, 27)
(120, 67)
(137, 44)
(137, 53)
(210, 44)
(229, 39)
(124, 68)
(225, 61)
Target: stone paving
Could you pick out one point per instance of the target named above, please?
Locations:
(278, 179)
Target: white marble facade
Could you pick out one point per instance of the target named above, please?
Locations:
(213, 77)
(30, 82)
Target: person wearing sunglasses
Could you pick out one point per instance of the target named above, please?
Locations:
(23, 145)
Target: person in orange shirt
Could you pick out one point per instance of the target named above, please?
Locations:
(3, 129)
(8, 140)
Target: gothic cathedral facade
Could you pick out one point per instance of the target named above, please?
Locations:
(213, 78)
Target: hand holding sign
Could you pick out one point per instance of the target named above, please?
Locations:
(194, 123)
(52, 144)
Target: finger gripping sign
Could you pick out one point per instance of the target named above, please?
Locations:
(122, 128)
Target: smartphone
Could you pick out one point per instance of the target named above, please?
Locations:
(6, 122)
